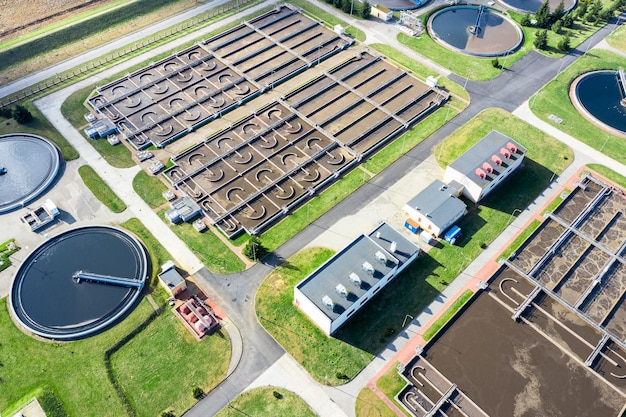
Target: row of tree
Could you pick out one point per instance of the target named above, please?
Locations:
(353, 7)
(19, 113)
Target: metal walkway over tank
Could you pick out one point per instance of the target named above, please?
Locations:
(107, 279)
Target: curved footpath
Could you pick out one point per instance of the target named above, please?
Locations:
(262, 360)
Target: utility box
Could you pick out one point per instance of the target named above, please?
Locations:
(453, 234)
(412, 226)
(428, 238)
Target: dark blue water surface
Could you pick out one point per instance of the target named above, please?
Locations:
(600, 94)
(47, 299)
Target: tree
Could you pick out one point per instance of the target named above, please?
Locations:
(564, 44)
(525, 20)
(366, 9)
(6, 112)
(558, 12)
(254, 250)
(568, 20)
(557, 26)
(581, 10)
(21, 115)
(346, 5)
(496, 63)
(605, 15)
(543, 15)
(541, 39)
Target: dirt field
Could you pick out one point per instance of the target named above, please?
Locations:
(21, 13)
(53, 57)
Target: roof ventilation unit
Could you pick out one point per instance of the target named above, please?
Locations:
(481, 173)
(393, 247)
(487, 167)
(511, 147)
(342, 291)
(356, 280)
(380, 257)
(367, 267)
(496, 160)
(377, 235)
(328, 302)
(505, 152)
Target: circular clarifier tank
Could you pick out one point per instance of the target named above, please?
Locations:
(28, 165)
(600, 97)
(475, 30)
(78, 283)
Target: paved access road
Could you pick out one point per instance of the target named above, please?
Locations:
(261, 355)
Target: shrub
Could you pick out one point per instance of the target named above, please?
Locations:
(366, 9)
(21, 115)
(198, 393)
(557, 26)
(568, 20)
(525, 20)
(168, 414)
(564, 44)
(277, 395)
(6, 112)
(496, 63)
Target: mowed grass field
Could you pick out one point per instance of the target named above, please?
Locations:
(267, 401)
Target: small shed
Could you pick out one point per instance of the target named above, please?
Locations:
(171, 280)
(381, 12)
(183, 209)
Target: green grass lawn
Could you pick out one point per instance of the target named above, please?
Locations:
(617, 39)
(158, 254)
(100, 189)
(159, 367)
(149, 188)
(390, 384)
(609, 173)
(331, 19)
(553, 98)
(447, 315)
(369, 405)
(5, 261)
(262, 402)
(42, 127)
(211, 251)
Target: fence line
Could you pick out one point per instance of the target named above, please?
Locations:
(47, 84)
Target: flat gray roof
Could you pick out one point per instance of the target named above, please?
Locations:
(171, 277)
(437, 202)
(482, 152)
(323, 281)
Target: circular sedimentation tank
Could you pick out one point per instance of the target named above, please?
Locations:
(531, 6)
(601, 98)
(78, 283)
(28, 165)
(475, 30)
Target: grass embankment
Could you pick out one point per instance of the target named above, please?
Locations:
(211, 251)
(369, 405)
(553, 98)
(390, 384)
(76, 373)
(158, 254)
(331, 19)
(149, 188)
(447, 315)
(263, 402)
(100, 189)
(353, 346)
(609, 173)
(617, 39)
(42, 127)
(476, 68)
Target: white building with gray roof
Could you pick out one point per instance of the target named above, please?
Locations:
(485, 165)
(435, 208)
(340, 287)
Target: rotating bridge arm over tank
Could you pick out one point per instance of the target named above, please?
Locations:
(106, 279)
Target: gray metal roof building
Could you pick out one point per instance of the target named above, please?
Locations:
(437, 203)
(483, 152)
(340, 269)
